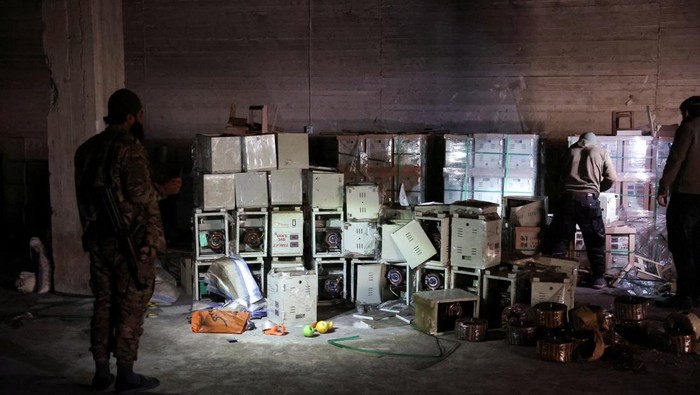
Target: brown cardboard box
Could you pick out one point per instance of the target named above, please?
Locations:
(527, 239)
(525, 210)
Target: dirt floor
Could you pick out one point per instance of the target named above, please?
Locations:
(44, 349)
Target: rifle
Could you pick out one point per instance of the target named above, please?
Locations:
(123, 237)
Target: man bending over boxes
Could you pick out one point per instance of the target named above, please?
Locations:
(586, 170)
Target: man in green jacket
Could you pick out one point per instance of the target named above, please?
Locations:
(679, 187)
(586, 170)
(121, 280)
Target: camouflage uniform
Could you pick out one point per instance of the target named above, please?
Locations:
(115, 158)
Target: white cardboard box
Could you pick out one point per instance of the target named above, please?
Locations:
(327, 189)
(369, 283)
(286, 187)
(488, 142)
(259, 152)
(251, 190)
(286, 233)
(438, 231)
(292, 297)
(215, 191)
(525, 210)
(475, 242)
(360, 239)
(391, 253)
(219, 154)
(557, 292)
(414, 244)
(292, 151)
(608, 206)
(362, 202)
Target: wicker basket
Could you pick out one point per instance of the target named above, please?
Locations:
(555, 350)
(631, 308)
(471, 329)
(683, 344)
(521, 333)
(550, 315)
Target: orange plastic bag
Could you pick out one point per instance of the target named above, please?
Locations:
(219, 321)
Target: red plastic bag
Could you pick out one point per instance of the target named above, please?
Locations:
(219, 321)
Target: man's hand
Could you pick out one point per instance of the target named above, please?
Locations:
(171, 187)
(662, 199)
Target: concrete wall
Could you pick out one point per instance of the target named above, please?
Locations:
(25, 84)
(554, 67)
(548, 66)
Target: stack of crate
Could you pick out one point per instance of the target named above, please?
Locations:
(217, 160)
(286, 199)
(248, 192)
(398, 279)
(326, 191)
(638, 161)
(434, 219)
(489, 166)
(397, 163)
(361, 239)
(251, 237)
(475, 244)
(524, 223)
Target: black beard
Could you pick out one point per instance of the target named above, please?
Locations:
(137, 130)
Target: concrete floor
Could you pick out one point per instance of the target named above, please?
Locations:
(44, 349)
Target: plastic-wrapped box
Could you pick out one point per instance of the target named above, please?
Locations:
(215, 191)
(379, 148)
(456, 185)
(489, 143)
(519, 185)
(409, 150)
(522, 144)
(285, 187)
(493, 197)
(410, 177)
(251, 190)
(351, 156)
(487, 160)
(637, 195)
(457, 151)
(487, 184)
(219, 153)
(259, 152)
(292, 150)
(524, 163)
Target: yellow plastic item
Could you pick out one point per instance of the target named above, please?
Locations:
(322, 327)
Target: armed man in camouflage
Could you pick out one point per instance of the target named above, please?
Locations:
(121, 280)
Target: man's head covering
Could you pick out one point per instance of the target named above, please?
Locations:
(122, 103)
(588, 136)
(691, 105)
